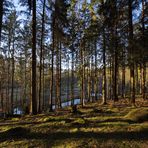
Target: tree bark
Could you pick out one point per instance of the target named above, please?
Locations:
(104, 69)
(1, 16)
(52, 67)
(34, 99)
(72, 79)
(82, 78)
(12, 81)
(41, 58)
(123, 81)
(143, 62)
(132, 73)
(96, 78)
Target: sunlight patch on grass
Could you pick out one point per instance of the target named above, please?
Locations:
(73, 130)
(137, 127)
(22, 143)
(114, 123)
(101, 118)
(78, 121)
(5, 128)
(15, 119)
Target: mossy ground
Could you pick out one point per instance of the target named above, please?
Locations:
(111, 125)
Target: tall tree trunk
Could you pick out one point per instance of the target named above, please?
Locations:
(144, 81)
(143, 62)
(92, 79)
(16, 97)
(115, 74)
(1, 16)
(72, 79)
(110, 81)
(96, 78)
(60, 74)
(123, 81)
(12, 82)
(68, 81)
(104, 70)
(25, 83)
(132, 73)
(89, 82)
(8, 81)
(82, 78)
(136, 79)
(43, 78)
(33, 99)
(115, 53)
(52, 67)
(57, 75)
(8, 87)
(41, 58)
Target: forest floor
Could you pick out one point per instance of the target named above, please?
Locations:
(94, 126)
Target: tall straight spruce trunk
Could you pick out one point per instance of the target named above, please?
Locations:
(104, 69)
(33, 99)
(41, 59)
(132, 67)
(1, 16)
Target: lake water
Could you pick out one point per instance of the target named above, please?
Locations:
(68, 103)
(18, 111)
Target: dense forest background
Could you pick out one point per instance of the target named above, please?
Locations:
(53, 51)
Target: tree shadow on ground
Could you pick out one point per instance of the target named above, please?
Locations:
(12, 123)
(113, 120)
(51, 137)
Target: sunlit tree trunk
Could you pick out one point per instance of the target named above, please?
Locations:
(104, 69)
(91, 79)
(96, 77)
(144, 81)
(136, 79)
(110, 80)
(123, 81)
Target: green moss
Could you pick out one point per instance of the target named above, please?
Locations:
(5, 128)
(138, 115)
(15, 119)
(78, 121)
(73, 130)
(112, 110)
(114, 123)
(92, 128)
